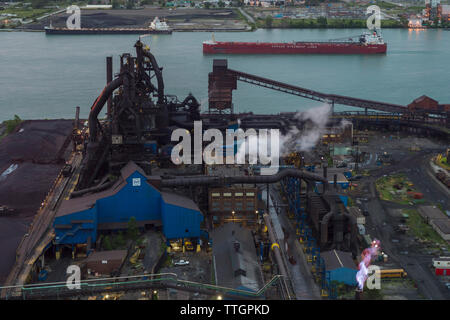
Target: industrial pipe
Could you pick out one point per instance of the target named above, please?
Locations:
(98, 105)
(276, 248)
(215, 180)
(99, 188)
(159, 78)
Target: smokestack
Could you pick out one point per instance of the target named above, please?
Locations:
(109, 76)
(77, 117)
(358, 294)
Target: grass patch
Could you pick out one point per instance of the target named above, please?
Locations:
(11, 125)
(244, 18)
(442, 162)
(422, 230)
(395, 188)
(26, 12)
(373, 294)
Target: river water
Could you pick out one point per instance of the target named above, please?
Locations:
(48, 76)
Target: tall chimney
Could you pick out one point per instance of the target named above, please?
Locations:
(109, 75)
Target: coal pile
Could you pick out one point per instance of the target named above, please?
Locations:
(30, 161)
(37, 141)
(11, 233)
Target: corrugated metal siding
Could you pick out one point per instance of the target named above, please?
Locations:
(180, 222)
(344, 275)
(79, 232)
(142, 202)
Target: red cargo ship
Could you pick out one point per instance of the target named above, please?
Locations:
(368, 43)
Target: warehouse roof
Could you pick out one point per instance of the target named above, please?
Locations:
(355, 211)
(442, 224)
(236, 262)
(179, 200)
(431, 213)
(422, 98)
(88, 201)
(338, 259)
(108, 255)
(129, 169)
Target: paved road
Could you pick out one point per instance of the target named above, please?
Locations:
(417, 266)
(245, 14)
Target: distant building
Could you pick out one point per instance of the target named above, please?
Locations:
(105, 262)
(425, 103)
(233, 205)
(437, 219)
(97, 6)
(415, 22)
(446, 12)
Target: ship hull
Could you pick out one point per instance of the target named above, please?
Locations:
(293, 48)
(105, 31)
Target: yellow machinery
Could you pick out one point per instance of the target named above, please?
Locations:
(135, 256)
(175, 246)
(294, 158)
(392, 273)
(188, 245)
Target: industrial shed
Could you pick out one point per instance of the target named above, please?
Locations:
(431, 213)
(236, 263)
(105, 262)
(133, 195)
(442, 227)
(340, 266)
(437, 219)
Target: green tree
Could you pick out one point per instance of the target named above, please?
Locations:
(36, 4)
(115, 4)
(221, 4)
(207, 5)
(132, 230)
(12, 124)
(322, 21)
(119, 240)
(107, 244)
(268, 21)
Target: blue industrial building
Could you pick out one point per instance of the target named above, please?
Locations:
(339, 266)
(134, 194)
